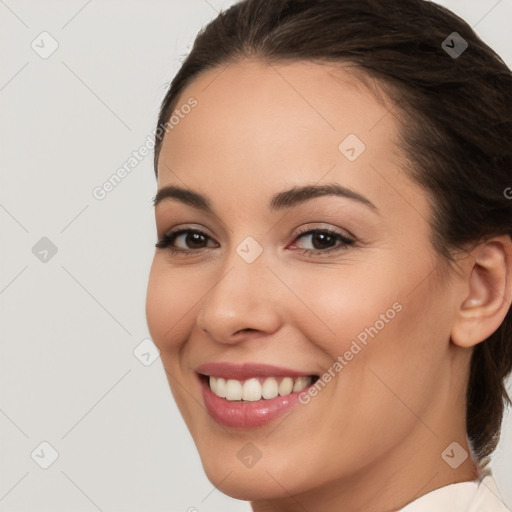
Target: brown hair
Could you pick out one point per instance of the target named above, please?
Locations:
(455, 113)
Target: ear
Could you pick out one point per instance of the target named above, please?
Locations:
(488, 292)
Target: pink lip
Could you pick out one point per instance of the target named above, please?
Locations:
(247, 371)
(246, 415)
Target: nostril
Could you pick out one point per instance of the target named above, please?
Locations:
(246, 330)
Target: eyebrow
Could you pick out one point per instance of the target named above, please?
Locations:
(280, 201)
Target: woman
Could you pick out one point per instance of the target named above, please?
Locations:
(331, 288)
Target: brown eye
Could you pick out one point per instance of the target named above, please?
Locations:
(325, 241)
(193, 239)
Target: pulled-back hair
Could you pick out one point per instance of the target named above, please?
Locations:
(455, 117)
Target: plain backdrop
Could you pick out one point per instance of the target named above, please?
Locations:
(80, 390)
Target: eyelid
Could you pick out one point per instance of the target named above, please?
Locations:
(345, 242)
(324, 227)
(184, 227)
(301, 231)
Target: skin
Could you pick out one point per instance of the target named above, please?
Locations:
(372, 439)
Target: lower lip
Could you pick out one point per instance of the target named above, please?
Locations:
(246, 414)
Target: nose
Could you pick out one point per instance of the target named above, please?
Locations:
(243, 302)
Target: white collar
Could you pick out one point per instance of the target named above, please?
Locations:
(480, 495)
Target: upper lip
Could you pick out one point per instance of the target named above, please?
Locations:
(247, 370)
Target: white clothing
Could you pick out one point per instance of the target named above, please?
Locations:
(480, 495)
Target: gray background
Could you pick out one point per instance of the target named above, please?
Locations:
(70, 323)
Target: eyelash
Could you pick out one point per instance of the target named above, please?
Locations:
(168, 238)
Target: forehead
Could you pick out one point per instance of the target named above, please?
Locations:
(267, 126)
(272, 105)
(311, 89)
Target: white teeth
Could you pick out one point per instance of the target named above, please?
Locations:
(252, 390)
(269, 388)
(233, 389)
(286, 386)
(301, 383)
(218, 386)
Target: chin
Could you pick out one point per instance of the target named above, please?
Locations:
(245, 484)
(266, 479)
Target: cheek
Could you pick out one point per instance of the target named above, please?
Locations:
(169, 303)
(382, 324)
(395, 300)
(346, 304)
(169, 317)
(406, 361)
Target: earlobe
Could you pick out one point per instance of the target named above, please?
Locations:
(488, 292)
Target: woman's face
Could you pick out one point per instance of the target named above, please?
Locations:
(363, 309)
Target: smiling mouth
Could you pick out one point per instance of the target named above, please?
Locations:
(257, 388)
